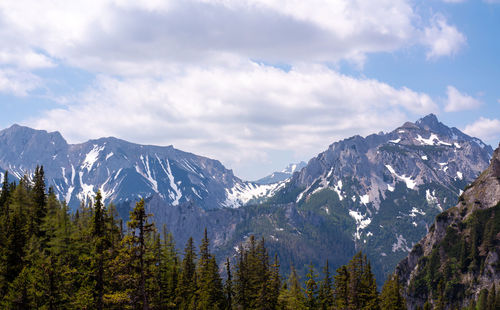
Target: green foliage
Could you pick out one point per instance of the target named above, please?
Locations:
(390, 297)
(51, 259)
(355, 286)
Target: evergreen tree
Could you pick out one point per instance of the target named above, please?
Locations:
(98, 234)
(325, 294)
(4, 194)
(390, 297)
(311, 291)
(341, 290)
(39, 197)
(210, 292)
(228, 287)
(291, 296)
(187, 285)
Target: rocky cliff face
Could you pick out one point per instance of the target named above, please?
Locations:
(459, 256)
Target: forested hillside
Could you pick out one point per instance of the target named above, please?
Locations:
(53, 259)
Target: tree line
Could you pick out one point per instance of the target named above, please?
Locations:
(51, 258)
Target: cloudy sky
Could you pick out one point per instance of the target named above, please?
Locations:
(256, 84)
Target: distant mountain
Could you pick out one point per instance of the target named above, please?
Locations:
(458, 261)
(279, 176)
(123, 171)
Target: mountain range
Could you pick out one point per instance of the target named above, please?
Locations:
(379, 193)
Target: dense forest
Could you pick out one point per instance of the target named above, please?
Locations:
(53, 259)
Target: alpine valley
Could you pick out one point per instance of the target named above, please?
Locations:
(379, 193)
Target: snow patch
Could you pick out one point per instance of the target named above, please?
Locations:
(64, 175)
(91, 157)
(460, 175)
(457, 145)
(362, 221)
(432, 140)
(414, 211)
(242, 193)
(390, 188)
(365, 199)
(109, 155)
(177, 194)
(395, 141)
(424, 157)
(409, 182)
(87, 191)
(338, 189)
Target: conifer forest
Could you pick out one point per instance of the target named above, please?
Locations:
(53, 259)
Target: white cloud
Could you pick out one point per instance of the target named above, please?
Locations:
(441, 38)
(458, 101)
(238, 114)
(17, 83)
(152, 37)
(486, 129)
(454, 1)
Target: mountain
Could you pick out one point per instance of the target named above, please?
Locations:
(379, 193)
(123, 171)
(458, 261)
(279, 176)
(387, 188)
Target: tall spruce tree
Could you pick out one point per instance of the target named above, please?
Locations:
(390, 297)
(325, 295)
(141, 232)
(187, 285)
(311, 291)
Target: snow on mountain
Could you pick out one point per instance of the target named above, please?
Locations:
(391, 185)
(123, 171)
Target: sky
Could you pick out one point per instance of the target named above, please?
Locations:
(256, 84)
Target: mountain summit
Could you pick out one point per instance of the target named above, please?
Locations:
(123, 171)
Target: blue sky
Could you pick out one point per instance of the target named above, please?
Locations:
(256, 84)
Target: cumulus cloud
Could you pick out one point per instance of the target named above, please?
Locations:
(17, 83)
(458, 101)
(441, 38)
(238, 114)
(485, 129)
(150, 37)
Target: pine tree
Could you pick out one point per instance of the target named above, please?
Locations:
(187, 285)
(390, 297)
(139, 224)
(291, 296)
(275, 282)
(311, 291)
(325, 294)
(39, 197)
(4, 194)
(210, 292)
(228, 287)
(369, 298)
(98, 234)
(341, 291)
